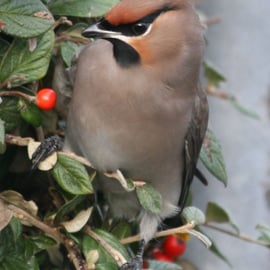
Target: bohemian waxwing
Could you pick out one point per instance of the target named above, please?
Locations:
(137, 105)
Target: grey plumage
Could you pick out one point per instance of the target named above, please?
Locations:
(148, 118)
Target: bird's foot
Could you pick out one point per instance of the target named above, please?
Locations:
(46, 148)
(136, 263)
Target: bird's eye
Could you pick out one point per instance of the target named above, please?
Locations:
(140, 28)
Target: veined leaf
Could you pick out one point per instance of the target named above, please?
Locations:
(212, 157)
(149, 198)
(72, 176)
(27, 18)
(9, 113)
(192, 213)
(104, 258)
(19, 65)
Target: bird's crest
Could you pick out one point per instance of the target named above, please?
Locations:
(130, 11)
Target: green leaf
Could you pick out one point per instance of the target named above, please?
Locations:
(71, 7)
(106, 266)
(3, 46)
(21, 65)
(2, 137)
(112, 241)
(244, 110)
(105, 259)
(215, 213)
(30, 113)
(68, 50)
(14, 263)
(42, 242)
(192, 213)
(213, 76)
(215, 249)
(122, 229)
(68, 207)
(16, 228)
(265, 233)
(99, 8)
(212, 157)
(9, 113)
(83, 8)
(25, 19)
(17, 252)
(218, 253)
(149, 198)
(72, 176)
(160, 265)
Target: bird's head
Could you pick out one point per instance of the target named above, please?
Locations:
(151, 32)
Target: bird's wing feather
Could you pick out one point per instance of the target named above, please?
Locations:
(193, 142)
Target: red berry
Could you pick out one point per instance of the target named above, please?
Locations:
(173, 246)
(160, 256)
(46, 99)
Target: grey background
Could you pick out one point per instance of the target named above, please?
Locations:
(240, 47)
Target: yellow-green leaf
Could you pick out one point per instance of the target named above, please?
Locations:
(212, 74)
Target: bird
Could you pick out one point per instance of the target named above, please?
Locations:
(137, 106)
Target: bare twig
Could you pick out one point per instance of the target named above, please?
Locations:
(62, 20)
(65, 37)
(82, 160)
(183, 229)
(17, 140)
(210, 90)
(239, 236)
(212, 20)
(40, 134)
(29, 98)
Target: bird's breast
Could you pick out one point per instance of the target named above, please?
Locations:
(126, 118)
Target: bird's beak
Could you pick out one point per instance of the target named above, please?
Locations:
(95, 31)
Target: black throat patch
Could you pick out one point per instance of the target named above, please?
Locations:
(123, 53)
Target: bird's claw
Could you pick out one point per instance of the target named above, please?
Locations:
(136, 263)
(46, 148)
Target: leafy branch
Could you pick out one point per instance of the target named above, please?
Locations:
(23, 215)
